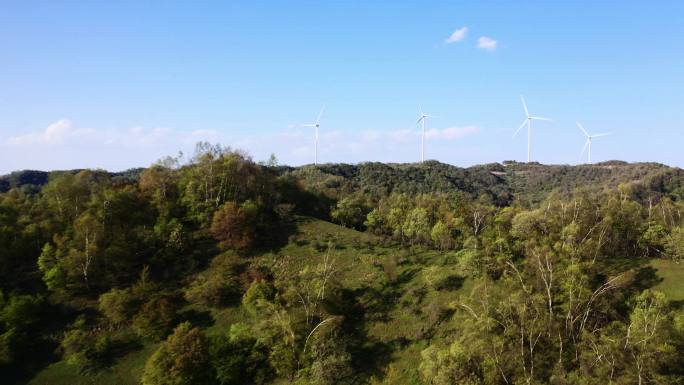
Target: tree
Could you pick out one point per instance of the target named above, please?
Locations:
(417, 225)
(331, 360)
(49, 264)
(183, 359)
(18, 315)
(351, 211)
(86, 350)
(441, 235)
(234, 225)
(645, 336)
(674, 246)
(155, 318)
(452, 365)
(118, 305)
(237, 358)
(217, 285)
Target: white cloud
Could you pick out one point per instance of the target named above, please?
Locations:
(451, 133)
(64, 145)
(62, 133)
(53, 134)
(487, 43)
(457, 36)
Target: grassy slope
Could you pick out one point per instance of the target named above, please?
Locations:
(401, 314)
(127, 370)
(672, 275)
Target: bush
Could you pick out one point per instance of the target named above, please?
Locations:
(18, 314)
(183, 359)
(233, 225)
(155, 319)
(351, 211)
(238, 359)
(117, 305)
(258, 292)
(331, 362)
(217, 285)
(85, 350)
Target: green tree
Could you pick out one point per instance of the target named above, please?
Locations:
(417, 225)
(237, 358)
(234, 225)
(118, 305)
(155, 319)
(674, 245)
(351, 211)
(183, 359)
(218, 285)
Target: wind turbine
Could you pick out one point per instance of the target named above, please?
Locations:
(421, 120)
(587, 144)
(528, 121)
(316, 125)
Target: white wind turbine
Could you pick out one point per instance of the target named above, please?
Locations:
(316, 125)
(528, 122)
(421, 120)
(587, 144)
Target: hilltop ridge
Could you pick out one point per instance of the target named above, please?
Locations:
(501, 181)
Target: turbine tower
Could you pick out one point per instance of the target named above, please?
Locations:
(316, 125)
(587, 144)
(528, 121)
(421, 120)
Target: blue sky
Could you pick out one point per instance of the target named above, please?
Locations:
(121, 84)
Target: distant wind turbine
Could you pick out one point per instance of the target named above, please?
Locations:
(316, 125)
(587, 144)
(528, 122)
(421, 120)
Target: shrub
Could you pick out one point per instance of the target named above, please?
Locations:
(85, 350)
(258, 292)
(117, 305)
(155, 318)
(234, 226)
(217, 285)
(183, 359)
(238, 359)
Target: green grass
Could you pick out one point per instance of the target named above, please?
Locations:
(672, 275)
(127, 370)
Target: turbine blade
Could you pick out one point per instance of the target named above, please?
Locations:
(420, 110)
(419, 119)
(583, 130)
(527, 113)
(586, 144)
(307, 125)
(520, 128)
(540, 118)
(318, 120)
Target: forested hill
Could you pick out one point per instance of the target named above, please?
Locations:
(217, 270)
(32, 181)
(528, 182)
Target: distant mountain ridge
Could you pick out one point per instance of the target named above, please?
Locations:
(503, 182)
(31, 181)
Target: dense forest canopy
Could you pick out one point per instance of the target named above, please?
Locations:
(222, 270)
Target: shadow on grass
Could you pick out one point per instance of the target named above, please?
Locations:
(201, 318)
(369, 355)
